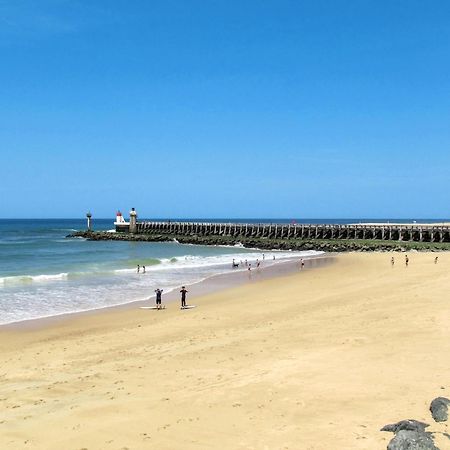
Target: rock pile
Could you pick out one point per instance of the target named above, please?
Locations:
(411, 435)
(261, 243)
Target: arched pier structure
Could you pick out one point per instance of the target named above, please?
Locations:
(386, 232)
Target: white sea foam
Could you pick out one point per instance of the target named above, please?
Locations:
(53, 277)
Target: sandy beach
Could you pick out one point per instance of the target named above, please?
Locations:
(319, 359)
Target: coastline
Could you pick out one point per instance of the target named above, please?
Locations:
(202, 287)
(317, 360)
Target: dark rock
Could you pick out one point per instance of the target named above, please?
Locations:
(405, 425)
(439, 409)
(412, 440)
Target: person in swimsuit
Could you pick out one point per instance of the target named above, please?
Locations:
(183, 291)
(138, 268)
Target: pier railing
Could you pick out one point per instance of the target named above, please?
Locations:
(388, 232)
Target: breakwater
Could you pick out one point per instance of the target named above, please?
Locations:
(332, 238)
(383, 232)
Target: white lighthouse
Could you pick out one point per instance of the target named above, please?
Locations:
(120, 224)
(89, 221)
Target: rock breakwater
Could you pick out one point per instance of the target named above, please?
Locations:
(330, 245)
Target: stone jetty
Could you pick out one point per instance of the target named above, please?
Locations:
(382, 232)
(293, 236)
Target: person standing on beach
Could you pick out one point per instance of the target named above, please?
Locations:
(302, 264)
(436, 260)
(406, 260)
(158, 298)
(143, 269)
(392, 261)
(138, 268)
(183, 291)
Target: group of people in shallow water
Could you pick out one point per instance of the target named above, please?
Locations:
(247, 264)
(407, 260)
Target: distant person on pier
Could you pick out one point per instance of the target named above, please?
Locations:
(138, 268)
(158, 298)
(183, 292)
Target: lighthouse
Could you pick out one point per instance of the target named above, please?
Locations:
(120, 224)
(89, 222)
(133, 221)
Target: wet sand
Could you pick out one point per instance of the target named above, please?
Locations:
(320, 359)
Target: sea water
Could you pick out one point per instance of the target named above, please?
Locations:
(43, 273)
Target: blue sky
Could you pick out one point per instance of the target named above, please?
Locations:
(208, 108)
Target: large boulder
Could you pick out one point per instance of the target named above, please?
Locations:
(405, 425)
(439, 409)
(412, 440)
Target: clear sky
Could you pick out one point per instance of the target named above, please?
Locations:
(186, 108)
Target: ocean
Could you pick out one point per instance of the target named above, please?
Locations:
(43, 273)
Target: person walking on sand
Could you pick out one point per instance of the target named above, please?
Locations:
(183, 291)
(138, 268)
(392, 261)
(436, 260)
(158, 298)
(302, 264)
(406, 260)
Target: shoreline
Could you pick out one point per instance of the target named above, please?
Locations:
(209, 285)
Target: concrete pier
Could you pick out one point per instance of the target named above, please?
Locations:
(384, 232)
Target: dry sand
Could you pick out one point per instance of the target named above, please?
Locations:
(316, 360)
